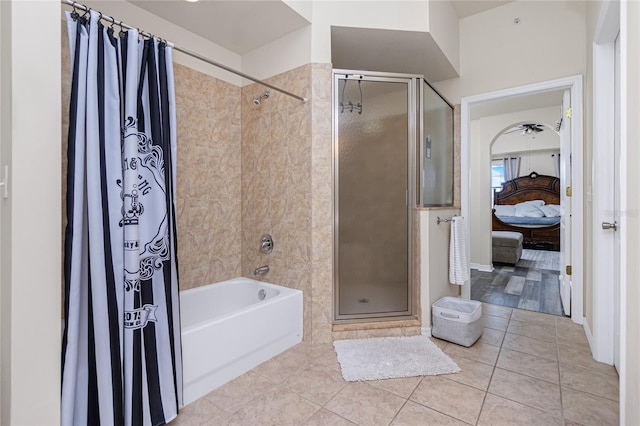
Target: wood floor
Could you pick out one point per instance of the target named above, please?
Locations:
(532, 284)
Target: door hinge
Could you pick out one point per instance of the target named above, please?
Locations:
(568, 112)
(5, 182)
(568, 270)
(569, 191)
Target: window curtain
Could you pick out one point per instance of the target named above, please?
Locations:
(121, 359)
(556, 163)
(511, 168)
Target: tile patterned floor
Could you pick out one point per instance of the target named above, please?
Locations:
(532, 284)
(526, 369)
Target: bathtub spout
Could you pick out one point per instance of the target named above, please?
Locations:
(261, 270)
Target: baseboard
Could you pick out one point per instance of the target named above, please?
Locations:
(482, 268)
(589, 334)
(426, 331)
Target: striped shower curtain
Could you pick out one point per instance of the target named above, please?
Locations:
(121, 360)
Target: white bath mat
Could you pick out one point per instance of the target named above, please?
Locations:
(391, 357)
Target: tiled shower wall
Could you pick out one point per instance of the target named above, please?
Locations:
(208, 180)
(286, 189)
(278, 190)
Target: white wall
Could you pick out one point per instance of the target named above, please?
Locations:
(630, 220)
(594, 8)
(540, 162)
(309, 44)
(479, 196)
(388, 15)
(434, 260)
(483, 133)
(5, 225)
(444, 28)
(30, 274)
(281, 55)
(140, 18)
(548, 43)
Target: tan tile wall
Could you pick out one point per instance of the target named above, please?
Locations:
(322, 204)
(276, 183)
(208, 184)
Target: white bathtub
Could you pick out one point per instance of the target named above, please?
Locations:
(227, 330)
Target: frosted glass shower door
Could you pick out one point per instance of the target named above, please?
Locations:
(371, 197)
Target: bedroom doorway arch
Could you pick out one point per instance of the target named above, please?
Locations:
(572, 167)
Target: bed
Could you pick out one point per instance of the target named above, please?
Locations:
(530, 205)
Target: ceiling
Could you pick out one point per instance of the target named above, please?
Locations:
(465, 8)
(409, 52)
(240, 26)
(244, 25)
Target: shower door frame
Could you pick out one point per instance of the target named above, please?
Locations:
(414, 96)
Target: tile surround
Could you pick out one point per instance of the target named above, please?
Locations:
(208, 178)
(286, 189)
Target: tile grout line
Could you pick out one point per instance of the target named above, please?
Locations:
(403, 404)
(432, 408)
(484, 400)
(508, 399)
(562, 418)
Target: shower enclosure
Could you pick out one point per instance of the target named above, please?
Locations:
(378, 179)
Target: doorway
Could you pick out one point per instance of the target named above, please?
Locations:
(606, 191)
(374, 128)
(574, 121)
(522, 138)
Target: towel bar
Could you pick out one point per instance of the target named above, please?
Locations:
(439, 220)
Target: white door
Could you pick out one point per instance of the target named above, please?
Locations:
(565, 203)
(616, 209)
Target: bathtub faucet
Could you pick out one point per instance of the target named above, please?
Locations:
(261, 270)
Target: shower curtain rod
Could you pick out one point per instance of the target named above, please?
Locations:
(77, 5)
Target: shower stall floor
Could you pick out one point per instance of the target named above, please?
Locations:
(373, 298)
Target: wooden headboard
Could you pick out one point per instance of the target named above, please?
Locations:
(532, 187)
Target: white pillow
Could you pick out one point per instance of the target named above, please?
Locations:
(550, 210)
(528, 209)
(533, 202)
(506, 210)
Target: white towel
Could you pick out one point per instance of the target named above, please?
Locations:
(458, 263)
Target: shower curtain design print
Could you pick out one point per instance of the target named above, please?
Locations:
(121, 360)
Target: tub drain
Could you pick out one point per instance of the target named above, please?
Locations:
(262, 294)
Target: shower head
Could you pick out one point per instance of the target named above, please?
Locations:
(258, 99)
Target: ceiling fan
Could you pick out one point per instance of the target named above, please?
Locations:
(527, 129)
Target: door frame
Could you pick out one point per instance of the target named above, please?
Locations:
(574, 84)
(602, 339)
(412, 106)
